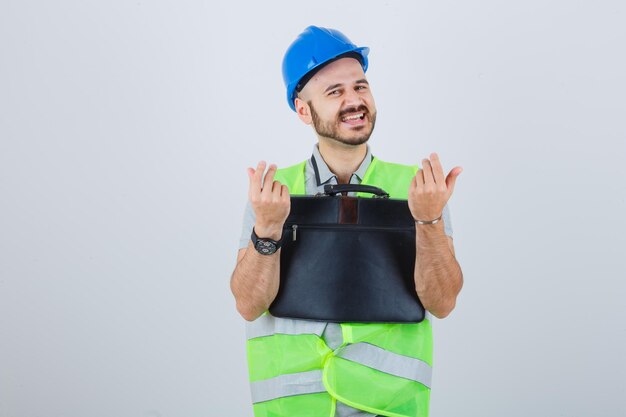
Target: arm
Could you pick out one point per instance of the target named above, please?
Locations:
(438, 276)
(254, 282)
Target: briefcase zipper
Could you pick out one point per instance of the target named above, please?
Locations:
(294, 228)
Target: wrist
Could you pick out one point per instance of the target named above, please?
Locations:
(269, 231)
(420, 221)
(427, 232)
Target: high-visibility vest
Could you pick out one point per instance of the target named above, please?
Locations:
(379, 368)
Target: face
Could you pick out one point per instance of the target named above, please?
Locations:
(339, 103)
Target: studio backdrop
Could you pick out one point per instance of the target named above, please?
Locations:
(126, 128)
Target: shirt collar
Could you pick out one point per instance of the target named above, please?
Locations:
(323, 174)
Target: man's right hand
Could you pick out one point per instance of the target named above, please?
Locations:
(270, 201)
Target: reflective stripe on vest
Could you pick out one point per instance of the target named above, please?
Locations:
(268, 325)
(343, 410)
(333, 335)
(363, 353)
(387, 362)
(287, 385)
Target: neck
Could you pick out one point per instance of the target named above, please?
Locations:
(342, 160)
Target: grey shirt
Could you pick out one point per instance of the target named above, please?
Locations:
(316, 175)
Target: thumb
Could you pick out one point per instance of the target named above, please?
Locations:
(451, 178)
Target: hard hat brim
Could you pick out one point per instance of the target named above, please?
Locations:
(294, 87)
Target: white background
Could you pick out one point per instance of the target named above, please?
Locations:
(125, 131)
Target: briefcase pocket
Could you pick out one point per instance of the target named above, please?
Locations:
(348, 273)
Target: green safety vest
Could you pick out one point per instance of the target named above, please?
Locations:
(379, 368)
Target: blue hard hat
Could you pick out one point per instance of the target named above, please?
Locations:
(315, 47)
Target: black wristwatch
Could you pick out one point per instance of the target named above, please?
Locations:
(263, 245)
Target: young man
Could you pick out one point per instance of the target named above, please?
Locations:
(315, 369)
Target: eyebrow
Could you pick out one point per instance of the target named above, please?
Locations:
(333, 86)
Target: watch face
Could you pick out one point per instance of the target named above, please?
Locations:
(265, 247)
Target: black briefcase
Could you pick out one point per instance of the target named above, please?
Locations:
(348, 259)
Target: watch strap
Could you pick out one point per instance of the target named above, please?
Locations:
(255, 239)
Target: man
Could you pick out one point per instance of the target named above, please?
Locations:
(315, 369)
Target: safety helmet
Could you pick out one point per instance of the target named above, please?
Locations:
(315, 47)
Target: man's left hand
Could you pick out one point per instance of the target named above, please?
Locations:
(430, 190)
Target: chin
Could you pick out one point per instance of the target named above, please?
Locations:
(359, 139)
(353, 141)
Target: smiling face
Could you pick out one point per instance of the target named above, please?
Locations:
(338, 102)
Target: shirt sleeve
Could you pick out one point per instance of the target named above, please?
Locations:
(447, 222)
(249, 218)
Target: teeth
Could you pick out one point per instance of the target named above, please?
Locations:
(353, 117)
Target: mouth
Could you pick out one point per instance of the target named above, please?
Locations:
(354, 119)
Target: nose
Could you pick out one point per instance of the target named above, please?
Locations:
(352, 98)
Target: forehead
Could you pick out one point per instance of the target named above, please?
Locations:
(342, 71)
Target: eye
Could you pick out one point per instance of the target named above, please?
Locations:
(334, 93)
(360, 87)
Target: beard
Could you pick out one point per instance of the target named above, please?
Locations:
(330, 129)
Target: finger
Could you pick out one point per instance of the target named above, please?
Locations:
(451, 178)
(254, 188)
(284, 193)
(276, 190)
(428, 172)
(255, 182)
(437, 169)
(419, 179)
(269, 180)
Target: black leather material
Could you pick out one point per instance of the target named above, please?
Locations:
(333, 189)
(352, 260)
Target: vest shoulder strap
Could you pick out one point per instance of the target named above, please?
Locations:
(293, 178)
(391, 177)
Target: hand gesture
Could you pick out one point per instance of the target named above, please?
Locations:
(430, 190)
(270, 201)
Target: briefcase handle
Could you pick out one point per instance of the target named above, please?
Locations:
(334, 189)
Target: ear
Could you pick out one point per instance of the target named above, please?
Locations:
(303, 110)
